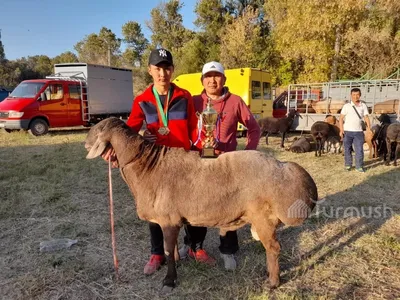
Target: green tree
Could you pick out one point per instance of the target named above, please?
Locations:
(135, 40)
(211, 19)
(310, 33)
(102, 48)
(65, 57)
(166, 26)
(243, 43)
(372, 49)
(2, 53)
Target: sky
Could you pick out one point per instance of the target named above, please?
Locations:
(48, 27)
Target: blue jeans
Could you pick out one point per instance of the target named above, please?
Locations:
(356, 139)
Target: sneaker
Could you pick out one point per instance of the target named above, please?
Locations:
(154, 264)
(229, 261)
(184, 251)
(202, 256)
(361, 170)
(347, 168)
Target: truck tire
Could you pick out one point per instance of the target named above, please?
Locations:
(38, 127)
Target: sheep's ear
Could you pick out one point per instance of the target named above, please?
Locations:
(97, 149)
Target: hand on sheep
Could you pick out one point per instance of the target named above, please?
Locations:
(148, 136)
(110, 154)
(341, 133)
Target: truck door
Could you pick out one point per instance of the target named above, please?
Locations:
(256, 95)
(54, 106)
(266, 96)
(74, 104)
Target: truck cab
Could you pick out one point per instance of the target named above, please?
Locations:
(36, 105)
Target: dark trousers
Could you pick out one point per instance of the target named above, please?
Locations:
(355, 138)
(195, 237)
(157, 239)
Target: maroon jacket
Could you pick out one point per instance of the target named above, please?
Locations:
(231, 109)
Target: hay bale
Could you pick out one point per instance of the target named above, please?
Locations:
(328, 106)
(387, 107)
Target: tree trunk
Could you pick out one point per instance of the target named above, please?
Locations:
(338, 42)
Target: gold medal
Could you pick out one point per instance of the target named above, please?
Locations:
(163, 130)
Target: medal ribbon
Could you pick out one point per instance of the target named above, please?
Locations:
(162, 113)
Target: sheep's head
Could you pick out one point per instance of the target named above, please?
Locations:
(384, 119)
(99, 136)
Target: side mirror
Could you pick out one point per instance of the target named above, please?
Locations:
(43, 96)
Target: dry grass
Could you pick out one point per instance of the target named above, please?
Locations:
(49, 190)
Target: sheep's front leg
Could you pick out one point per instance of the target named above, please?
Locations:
(283, 140)
(170, 239)
(266, 138)
(267, 234)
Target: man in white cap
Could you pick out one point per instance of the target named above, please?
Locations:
(231, 110)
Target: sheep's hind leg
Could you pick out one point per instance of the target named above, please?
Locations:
(388, 153)
(396, 153)
(266, 231)
(170, 240)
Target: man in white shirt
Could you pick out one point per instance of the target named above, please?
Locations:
(351, 130)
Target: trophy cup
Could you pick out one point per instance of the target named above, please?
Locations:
(209, 117)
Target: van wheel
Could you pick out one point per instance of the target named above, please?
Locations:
(38, 127)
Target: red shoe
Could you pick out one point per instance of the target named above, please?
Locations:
(154, 264)
(202, 256)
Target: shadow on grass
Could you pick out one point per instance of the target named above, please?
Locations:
(337, 208)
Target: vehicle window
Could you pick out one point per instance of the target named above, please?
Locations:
(54, 92)
(255, 90)
(74, 91)
(27, 90)
(267, 90)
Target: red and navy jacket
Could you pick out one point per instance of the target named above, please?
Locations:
(182, 119)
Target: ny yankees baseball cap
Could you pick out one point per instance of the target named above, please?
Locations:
(213, 66)
(158, 56)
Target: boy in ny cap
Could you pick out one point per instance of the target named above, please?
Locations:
(170, 120)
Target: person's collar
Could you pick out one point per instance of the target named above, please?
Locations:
(353, 104)
(225, 91)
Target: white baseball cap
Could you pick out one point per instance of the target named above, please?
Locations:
(213, 66)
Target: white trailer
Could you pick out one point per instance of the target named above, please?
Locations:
(107, 91)
(372, 92)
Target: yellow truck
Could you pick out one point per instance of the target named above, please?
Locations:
(252, 85)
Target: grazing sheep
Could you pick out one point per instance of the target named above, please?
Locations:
(321, 131)
(392, 136)
(277, 125)
(173, 187)
(300, 145)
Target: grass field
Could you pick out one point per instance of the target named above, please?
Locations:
(349, 249)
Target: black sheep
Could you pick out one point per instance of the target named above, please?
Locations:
(321, 131)
(277, 125)
(392, 136)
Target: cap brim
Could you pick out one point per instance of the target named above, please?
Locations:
(156, 63)
(216, 71)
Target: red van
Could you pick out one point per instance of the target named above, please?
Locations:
(77, 94)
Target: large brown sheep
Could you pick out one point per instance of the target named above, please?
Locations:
(173, 187)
